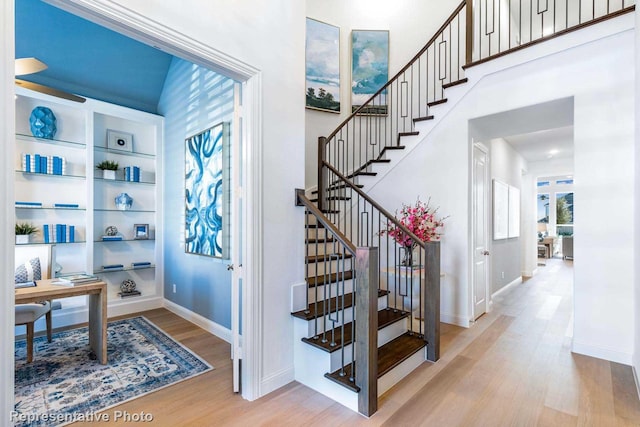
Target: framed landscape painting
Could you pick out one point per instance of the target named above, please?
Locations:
(322, 66)
(369, 69)
(206, 180)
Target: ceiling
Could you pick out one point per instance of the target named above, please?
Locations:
(87, 59)
(544, 145)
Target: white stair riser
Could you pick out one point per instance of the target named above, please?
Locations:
(316, 233)
(331, 267)
(331, 290)
(335, 319)
(321, 248)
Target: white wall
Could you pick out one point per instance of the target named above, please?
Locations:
(411, 23)
(506, 166)
(598, 75)
(270, 37)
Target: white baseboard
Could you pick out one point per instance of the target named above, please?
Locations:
(276, 380)
(454, 320)
(195, 318)
(509, 285)
(601, 353)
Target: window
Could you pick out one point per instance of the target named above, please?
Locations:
(564, 214)
(567, 181)
(542, 216)
(543, 183)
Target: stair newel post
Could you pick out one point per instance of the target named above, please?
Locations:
(323, 173)
(431, 301)
(469, 32)
(366, 326)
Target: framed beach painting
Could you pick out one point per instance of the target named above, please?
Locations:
(369, 69)
(206, 182)
(322, 66)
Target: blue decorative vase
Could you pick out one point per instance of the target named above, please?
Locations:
(42, 123)
(123, 201)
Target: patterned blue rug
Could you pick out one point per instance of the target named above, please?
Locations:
(63, 384)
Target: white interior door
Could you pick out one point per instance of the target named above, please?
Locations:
(237, 233)
(480, 188)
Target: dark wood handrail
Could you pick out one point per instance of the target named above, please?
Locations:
(303, 200)
(405, 68)
(391, 218)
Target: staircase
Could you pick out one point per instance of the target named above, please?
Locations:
(353, 267)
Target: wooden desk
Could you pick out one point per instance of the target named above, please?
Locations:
(97, 292)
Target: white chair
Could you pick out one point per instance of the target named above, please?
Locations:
(27, 314)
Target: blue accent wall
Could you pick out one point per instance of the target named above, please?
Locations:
(193, 99)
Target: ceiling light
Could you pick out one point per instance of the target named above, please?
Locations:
(29, 66)
(554, 151)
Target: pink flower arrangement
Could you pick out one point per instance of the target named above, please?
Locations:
(420, 219)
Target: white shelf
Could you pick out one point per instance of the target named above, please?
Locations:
(82, 141)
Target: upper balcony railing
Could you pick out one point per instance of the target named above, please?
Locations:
(498, 27)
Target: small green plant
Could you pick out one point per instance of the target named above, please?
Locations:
(25, 228)
(108, 165)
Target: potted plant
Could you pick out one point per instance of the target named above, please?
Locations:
(108, 168)
(23, 231)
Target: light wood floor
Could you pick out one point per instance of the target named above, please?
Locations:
(514, 367)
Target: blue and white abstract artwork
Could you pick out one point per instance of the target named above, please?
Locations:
(204, 193)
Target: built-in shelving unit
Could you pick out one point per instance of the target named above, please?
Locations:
(81, 139)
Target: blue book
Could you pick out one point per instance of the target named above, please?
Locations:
(127, 173)
(66, 205)
(43, 164)
(63, 230)
(55, 165)
(72, 233)
(27, 165)
(29, 204)
(45, 232)
(136, 174)
(37, 164)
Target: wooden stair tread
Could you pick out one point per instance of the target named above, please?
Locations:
(327, 257)
(326, 279)
(315, 240)
(456, 83)
(318, 309)
(386, 317)
(422, 119)
(438, 102)
(390, 355)
(338, 187)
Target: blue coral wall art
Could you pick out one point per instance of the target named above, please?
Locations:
(204, 192)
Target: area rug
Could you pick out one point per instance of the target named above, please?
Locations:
(63, 384)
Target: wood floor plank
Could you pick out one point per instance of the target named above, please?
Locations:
(513, 367)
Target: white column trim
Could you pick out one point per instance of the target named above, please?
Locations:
(7, 211)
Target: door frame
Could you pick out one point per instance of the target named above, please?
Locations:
(472, 218)
(147, 31)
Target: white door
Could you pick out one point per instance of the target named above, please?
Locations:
(480, 188)
(237, 230)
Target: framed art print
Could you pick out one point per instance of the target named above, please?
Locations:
(206, 181)
(141, 231)
(117, 140)
(369, 69)
(322, 66)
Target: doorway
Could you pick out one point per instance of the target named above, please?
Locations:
(249, 138)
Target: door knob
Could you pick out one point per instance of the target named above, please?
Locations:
(230, 267)
(485, 253)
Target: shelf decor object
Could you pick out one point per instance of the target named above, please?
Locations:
(132, 173)
(23, 232)
(141, 231)
(117, 140)
(205, 204)
(124, 202)
(42, 123)
(108, 168)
